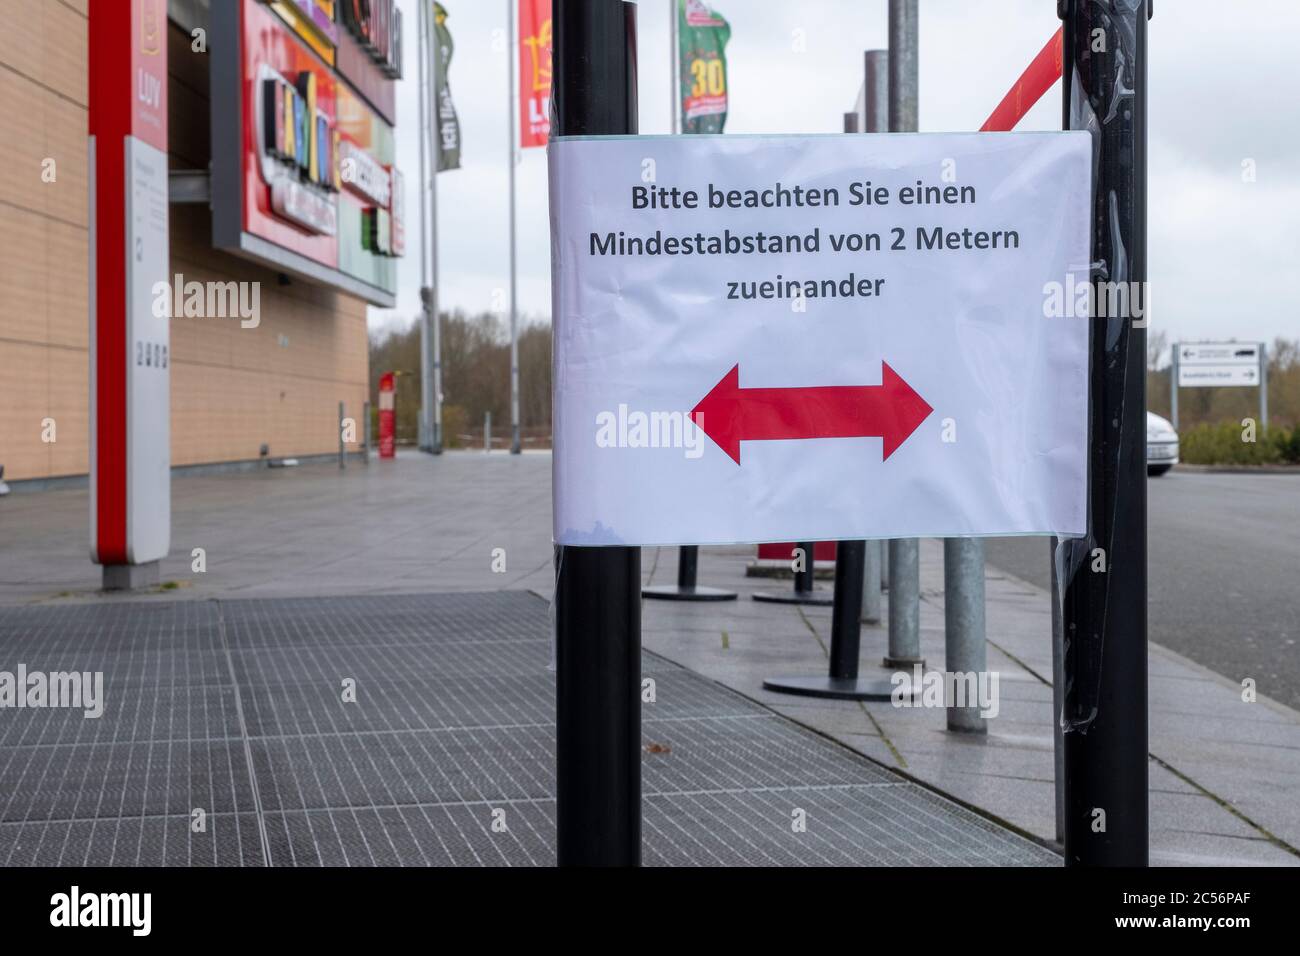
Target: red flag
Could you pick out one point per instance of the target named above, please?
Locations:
(534, 72)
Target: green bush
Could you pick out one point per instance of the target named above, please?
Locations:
(1225, 444)
(1291, 447)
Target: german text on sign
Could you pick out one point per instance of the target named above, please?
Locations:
(810, 338)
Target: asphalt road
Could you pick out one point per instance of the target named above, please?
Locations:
(1224, 573)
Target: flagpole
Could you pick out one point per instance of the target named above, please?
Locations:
(511, 53)
(426, 384)
(675, 58)
(436, 323)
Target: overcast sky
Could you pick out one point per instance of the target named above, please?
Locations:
(1224, 254)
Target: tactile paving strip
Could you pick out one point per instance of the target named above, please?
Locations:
(409, 730)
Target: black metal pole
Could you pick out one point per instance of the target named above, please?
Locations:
(804, 581)
(805, 590)
(846, 615)
(688, 565)
(597, 590)
(688, 562)
(1105, 608)
(842, 683)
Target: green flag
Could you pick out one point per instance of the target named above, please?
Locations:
(702, 46)
(448, 124)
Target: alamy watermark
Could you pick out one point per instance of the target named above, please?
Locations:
(1075, 299)
(942, 689)
(209, 300)
(78, 690)
(626, 428)
(78, 908)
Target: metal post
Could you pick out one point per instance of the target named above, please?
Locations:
(904, 555)
(1058, 697)
(904, 604)
(903, 71)
(597, 590)
(437, 379)
(805, 576)
(876, 91)
(343, 448)
(964, 648)
(872, 604)
(1263, 385)
(676, 52)
(487, 432)
(842, 683)
(688, 562)
(1105, 611)
(1173, 388)
(365, 415)
(424, 12)
(875, 94)
(431, 300)
(846, 614)
(848, 553)
(805, 590)
(511, 53)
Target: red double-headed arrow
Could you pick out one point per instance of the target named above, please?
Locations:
(891, 411)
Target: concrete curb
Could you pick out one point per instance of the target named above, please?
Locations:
(1238, 469)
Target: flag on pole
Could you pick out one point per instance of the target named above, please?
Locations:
(702, 40)
(448, 124)
(534, 72)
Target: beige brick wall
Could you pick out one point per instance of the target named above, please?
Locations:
(233, 389)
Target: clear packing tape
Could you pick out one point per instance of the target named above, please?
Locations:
(1089, 588)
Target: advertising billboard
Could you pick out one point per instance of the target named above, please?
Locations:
(307, 183)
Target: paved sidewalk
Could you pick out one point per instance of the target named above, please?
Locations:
(1224, 774)
(415, 525)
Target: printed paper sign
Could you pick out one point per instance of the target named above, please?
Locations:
(818, 338)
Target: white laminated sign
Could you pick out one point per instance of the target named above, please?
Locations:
(819, 337)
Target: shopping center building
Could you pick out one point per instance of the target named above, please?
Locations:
(284, 224)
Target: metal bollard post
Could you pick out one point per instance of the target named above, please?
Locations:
(904, 73)
(904, 604)
(343, 450)
(688, 563)
(842, 683)
(871, 599)
(1173, 387)
(805, 591)
(1263, 385)
(964, 647)
(365, 415)
(905, 555)
(1058, 696)
(487, 432)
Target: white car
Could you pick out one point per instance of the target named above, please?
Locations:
(1162, 445)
